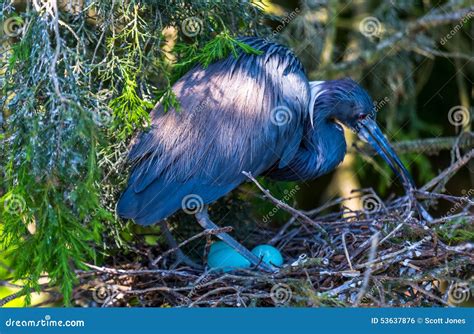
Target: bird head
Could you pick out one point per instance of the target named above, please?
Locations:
(346, 102)
(342, 101)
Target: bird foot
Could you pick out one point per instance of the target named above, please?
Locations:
(204, 220)
(181, 258)
(268, 268)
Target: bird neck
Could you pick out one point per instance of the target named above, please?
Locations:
(329, 141)
(324, 135)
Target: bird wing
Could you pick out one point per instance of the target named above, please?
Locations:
(239, 114)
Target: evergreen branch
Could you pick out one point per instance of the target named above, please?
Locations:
(424, 23)
(428, 146)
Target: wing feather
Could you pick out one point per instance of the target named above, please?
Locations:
(224, 127)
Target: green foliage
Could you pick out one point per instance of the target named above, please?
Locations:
(169, 99)
(266, 213)
(456, 231)
(218, 48)
(74, 94)
(76, 88)
(192, 54)
(51, 170)
(130, 112)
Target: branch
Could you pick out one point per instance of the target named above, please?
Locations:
(424, 23)
(161, 272)
(197, 236)
(11, 297)
(450, 171)
(429, 146)
(368, 272)
(283, 205)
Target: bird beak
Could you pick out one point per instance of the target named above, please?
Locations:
(370, 133)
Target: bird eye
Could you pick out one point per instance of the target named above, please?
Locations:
(361, 117)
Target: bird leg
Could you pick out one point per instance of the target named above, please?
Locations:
(173, 244)
(206, 223)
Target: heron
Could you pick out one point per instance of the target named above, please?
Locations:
(257, 113)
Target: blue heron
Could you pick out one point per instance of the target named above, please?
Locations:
(255, 113)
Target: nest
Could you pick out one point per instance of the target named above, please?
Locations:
(382, 255)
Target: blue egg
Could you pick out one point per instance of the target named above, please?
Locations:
(270, 254)
(221, 256)
(219, 245)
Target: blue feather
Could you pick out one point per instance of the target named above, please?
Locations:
(224, 127)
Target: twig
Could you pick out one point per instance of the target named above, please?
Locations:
(325, 270)
(429, 294)
(282, 231)
(11, 297)
(159, 272)
(426, 22)
(394, 254)
(429, 146)
(283, 205)
(197, 236)
(346, 252)
(368, 272)
(448, 172)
